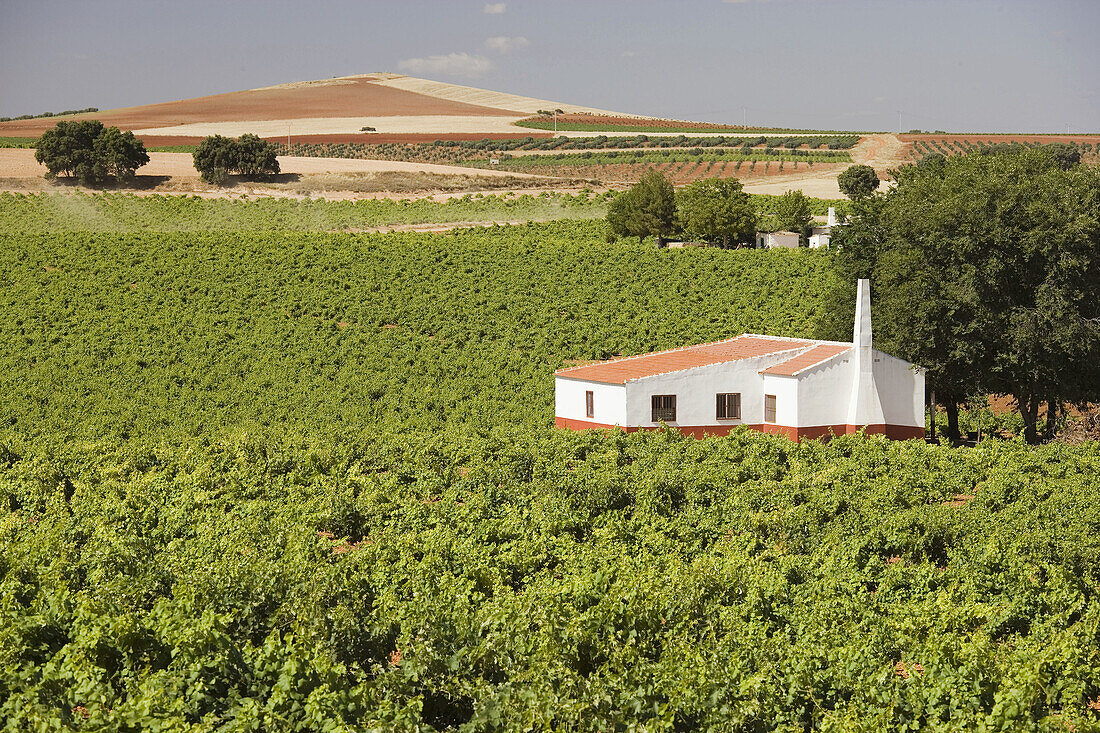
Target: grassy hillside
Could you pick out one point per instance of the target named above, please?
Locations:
(120, 212)
(255, 475)
(142, 333)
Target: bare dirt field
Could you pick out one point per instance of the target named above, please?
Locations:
(481, 97)
(329, 178)
(347, 97)
(352, 178)
(437, 125)
(20, 163)
(392, 103)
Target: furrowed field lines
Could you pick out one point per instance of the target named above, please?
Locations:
(612, 157)
(451, 151)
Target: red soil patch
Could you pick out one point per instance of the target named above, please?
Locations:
(959, 501)
(374, 138)
(337, 98)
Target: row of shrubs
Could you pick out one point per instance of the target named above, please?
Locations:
(600, 142)
(50, 114)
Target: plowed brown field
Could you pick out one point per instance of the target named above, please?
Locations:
(372, 138)
(347, 97)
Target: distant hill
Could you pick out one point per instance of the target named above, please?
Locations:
(390, 103)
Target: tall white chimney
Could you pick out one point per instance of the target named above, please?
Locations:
(864, 408)
(832, 217)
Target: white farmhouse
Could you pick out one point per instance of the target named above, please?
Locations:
(821, 235)
(800, 388)
(776, 240)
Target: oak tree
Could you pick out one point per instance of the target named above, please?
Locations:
(986, 272)
(717, 210)
(858, 181)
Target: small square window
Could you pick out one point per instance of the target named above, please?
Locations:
(769, 408)
(664, 408)
(589, 404)
(728, 406)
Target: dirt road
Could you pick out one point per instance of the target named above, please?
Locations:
(881, 152)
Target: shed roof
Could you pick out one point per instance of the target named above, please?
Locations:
(745, 346)
(803, 360)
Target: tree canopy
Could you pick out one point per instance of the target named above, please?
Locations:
(858, 181)
(90, 152)
(986, 271)
(717, 209)
(218, 157)
(793, 213)
(648, 208)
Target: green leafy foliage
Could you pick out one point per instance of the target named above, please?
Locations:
(858, 181)
(185, 333)
(717, 210)
(18, 142)
(256, 479)
(123, 212)
(793, 212)
(549, 580)
(88, 151)
(987, 273)
(218, 157)
(648, 208)
(51, 114)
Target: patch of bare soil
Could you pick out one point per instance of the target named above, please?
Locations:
(403, 183)
(345, 97)
(1082, 425)
(881, 152)
(329, 178)
(20, 163)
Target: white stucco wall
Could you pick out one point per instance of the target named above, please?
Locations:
(779, 240)
(786, 394)
(608, 401)
(819, 396)
(825, 390)
(695, 391)
(900, 390)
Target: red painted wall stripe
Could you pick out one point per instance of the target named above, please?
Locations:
(894, 432)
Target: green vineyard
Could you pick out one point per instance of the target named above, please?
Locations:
(260, 471)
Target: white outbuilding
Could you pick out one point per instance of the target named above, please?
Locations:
(800, 388)
(776, 240)
(820, 236)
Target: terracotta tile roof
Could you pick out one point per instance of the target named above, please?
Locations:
(807, 359)
(621, 371)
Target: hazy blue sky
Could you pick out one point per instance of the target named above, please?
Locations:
(968, 65)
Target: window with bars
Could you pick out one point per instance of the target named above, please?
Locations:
(769, 408)
(728, 406)
(589, 404)
(664, 408)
